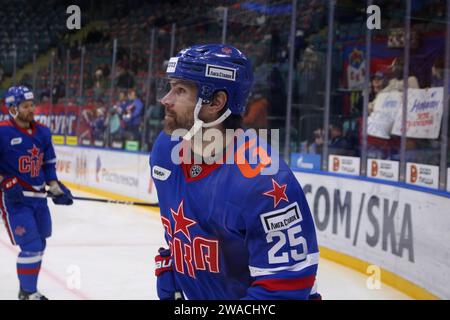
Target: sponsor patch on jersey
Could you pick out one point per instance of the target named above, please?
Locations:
(16, 141)
(281, 219)
(160, 173)
(220, 72)
(172, 65)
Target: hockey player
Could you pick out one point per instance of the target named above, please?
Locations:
(27, 164)
(233, 232)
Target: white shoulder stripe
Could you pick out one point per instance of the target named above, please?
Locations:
(50, 161)
(29, 260)
(311, 259)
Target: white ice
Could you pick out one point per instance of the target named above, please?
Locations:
(106, 251)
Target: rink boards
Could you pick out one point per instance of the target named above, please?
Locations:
(398, 234)
(124, 173)
(401, 231)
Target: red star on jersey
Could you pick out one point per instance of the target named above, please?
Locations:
(278, 193)
(181, 222)
(34, 152)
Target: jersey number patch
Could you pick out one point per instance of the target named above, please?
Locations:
(283, 227)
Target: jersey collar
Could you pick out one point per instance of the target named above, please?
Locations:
(197, 171)
(25, 131)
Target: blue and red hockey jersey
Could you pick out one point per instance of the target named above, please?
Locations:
(28, 155)
(233, 232)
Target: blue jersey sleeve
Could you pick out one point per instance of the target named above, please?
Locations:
(2, 148)
(49, 164)
(281, 240)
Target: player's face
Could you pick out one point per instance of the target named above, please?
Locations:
(25, 112)
(179, 104)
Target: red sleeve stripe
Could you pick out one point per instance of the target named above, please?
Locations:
(23, 271)
(286, 284)
(5, 123)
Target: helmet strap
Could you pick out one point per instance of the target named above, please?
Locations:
(13, 115)
(198, 124)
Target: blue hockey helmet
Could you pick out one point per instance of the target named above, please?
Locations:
(16, 95)
(215, 67)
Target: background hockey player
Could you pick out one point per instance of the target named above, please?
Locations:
(27, 164)
(233, 232)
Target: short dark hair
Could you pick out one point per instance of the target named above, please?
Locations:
(233, 121)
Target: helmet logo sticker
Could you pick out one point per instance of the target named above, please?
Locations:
(220, 72)
(172, 65)
(28, 95)
(226, 50)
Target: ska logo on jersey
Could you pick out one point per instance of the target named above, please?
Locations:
(190, 252)
(278, 193)
(31, 163)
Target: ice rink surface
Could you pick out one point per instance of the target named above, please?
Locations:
(106, 251)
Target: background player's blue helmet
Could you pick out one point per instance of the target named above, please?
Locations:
(10, 97)
(215, 67)
(16, 95)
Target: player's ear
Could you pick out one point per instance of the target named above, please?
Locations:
(218, 102)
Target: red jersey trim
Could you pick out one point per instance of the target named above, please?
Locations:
(206, 169)
(25, 131)
(6, 123)
(286, 284)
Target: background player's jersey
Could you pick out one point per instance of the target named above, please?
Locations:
(235, 234)
(27, 155)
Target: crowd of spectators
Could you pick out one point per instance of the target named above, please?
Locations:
(106, 89)
(345, 134)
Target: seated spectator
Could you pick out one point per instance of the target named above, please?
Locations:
(437, 72)
(132, 116)
(124, 79)
(100, 83)
(59, 91)
(317, 145)
(377, 84)
(396, 81)
(116, 124)
(256, 114)
(98, 124)
(339, 143)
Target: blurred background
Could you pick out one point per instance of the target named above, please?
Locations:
(331, 85)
